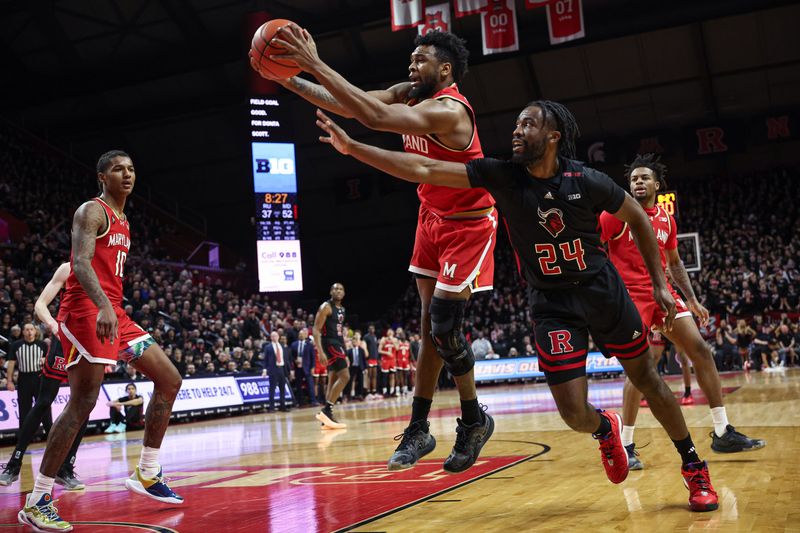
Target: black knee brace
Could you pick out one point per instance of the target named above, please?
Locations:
(447, 321)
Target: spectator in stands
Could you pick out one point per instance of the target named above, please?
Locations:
(744, 337)
(481, 346)
(132, 404)
(725, 346)
(786, 345)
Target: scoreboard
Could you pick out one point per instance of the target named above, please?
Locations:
(669, 201)
(275, 189)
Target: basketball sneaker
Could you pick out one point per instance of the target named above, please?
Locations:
(155, 488)
(687, 400)
(326, 418)
(732, 441)
(643, 402)
(415, 443)
(469, 441)
(10, 473)
(67, 478)
(702, 496)
(42, 515)
(612, 452)
(633, 458)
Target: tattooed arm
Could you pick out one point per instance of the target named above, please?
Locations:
(681, 278)
(88, 223)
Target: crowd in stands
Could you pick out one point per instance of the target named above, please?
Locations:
(750, 253)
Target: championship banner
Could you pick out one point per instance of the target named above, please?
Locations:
(437, 18)
(406, 13)
(469, 7)
(565, 21)
(533, 4)
(499, 27)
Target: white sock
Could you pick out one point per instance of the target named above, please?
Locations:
(720, 419)
(43, 485)
(627, 435)
(148, 462)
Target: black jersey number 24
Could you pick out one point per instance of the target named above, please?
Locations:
(548, 255)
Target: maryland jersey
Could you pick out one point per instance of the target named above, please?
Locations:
(623, 251)
(110, 253)
(446, 201)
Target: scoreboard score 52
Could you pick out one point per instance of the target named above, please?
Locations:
(669, 201)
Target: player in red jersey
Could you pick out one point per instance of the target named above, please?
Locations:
(387, 348)
(403, 362)
(456, 228)
(646, 178)
(95, 331)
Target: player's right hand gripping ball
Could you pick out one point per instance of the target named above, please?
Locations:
(265, 56)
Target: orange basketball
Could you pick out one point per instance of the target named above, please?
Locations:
(266, 57)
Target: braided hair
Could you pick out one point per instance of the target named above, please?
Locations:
(652, 162)
(560, 119)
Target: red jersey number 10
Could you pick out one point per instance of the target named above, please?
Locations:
(119, 268)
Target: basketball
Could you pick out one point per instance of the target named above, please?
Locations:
(265, 56)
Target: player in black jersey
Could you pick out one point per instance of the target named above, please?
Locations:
(550, 203)
(329, 340)
(53, 376)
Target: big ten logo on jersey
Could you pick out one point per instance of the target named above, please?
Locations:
(275, 165)
(413, 143)
(560, 341)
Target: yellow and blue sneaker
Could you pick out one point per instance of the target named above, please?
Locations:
(42, 516)
(155, 488)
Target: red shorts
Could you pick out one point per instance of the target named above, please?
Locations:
(652, 317)
(319, 370)
(403, 364)
(458, 252)
(388, 364)
(78, 337)
(372, 363)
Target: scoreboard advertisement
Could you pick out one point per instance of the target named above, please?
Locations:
(275, 189)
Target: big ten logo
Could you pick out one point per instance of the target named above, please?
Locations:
(4, 414)
(275, 165)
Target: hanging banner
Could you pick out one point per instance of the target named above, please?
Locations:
(533, 4)
(499, 27)
(406, 13)
(469, 7)
(565, 21)
(437, 18)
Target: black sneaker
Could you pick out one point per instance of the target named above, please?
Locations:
(733, 441)
(633, 458)
(67, 478)
(9, 474)
(469, 441)
(416, 443)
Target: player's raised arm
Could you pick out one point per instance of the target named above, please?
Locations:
(89, 220)
(410, 167)
(48, 294)
(430, 116)
(642, 231)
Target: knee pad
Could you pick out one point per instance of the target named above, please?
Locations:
(447, 320)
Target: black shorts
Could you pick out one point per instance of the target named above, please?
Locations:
(564, 318)
(337, 360)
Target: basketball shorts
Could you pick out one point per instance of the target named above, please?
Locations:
(564, 318)
(78, 335)
(320, 370)
(388, 364)
(402, 363)
(372, 363)
(656, 338)
(457, 251)
(337, 360)
(651, 313)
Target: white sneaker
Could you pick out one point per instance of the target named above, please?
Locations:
(111, 429)
(121, 428)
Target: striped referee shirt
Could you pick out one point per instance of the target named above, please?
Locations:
(28, 355)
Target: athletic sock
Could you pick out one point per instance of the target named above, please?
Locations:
(720, 419)
(687, 391)
(420, 408)
(148, 462)
(471, 412)
(43, 485)
(17, 456)
(686, 448)
(604, 428)
(627, 435)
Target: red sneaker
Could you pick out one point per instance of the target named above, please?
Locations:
(687, 400)
(702, 496)
(643, 402)
(612, 452)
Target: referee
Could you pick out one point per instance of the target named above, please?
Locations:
(27, 354)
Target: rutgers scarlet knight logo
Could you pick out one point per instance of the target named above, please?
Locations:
(552, 220)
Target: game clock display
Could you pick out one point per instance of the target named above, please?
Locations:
(277, 216)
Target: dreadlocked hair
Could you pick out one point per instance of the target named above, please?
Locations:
(653, 162)
(560, 119)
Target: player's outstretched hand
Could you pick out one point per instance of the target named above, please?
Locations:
(699, 311)
(336, 135)
(299, 45)
(107, 324)
(667, 304)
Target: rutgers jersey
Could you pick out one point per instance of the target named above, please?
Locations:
(111, 251)
(333, 326)
(445, 201)
(623, 251)
(54, 366)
